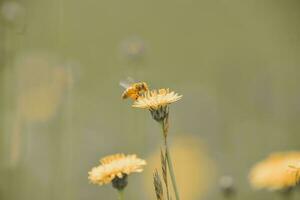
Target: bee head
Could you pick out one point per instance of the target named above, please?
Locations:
(145, 86)
(124, 95)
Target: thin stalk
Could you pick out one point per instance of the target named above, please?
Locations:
(165, 171)
(172, 174)
(169, 159)
(168, 194)
(121, 194)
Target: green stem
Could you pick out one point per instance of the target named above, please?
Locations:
(172, 174)
(121, 194)
(169, 161)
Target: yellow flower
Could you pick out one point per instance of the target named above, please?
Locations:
(275, 172)
(295, 168)
(115, 167)
(154, 99)
(157, 102)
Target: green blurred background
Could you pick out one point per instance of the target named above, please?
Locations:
(236, 63)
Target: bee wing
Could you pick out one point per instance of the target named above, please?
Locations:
(124, 85)
(130, 79)
(127, 83)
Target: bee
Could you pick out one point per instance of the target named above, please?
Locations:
(133, 89)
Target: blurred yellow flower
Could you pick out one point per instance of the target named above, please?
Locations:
(295, 168)
(194, 170)
(275, 173)
(42, 82)
(154, 99)
(115, 166)
(133, 48)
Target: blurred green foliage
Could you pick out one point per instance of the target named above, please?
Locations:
(235, 62)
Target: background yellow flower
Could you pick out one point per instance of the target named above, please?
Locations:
(275, 173)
